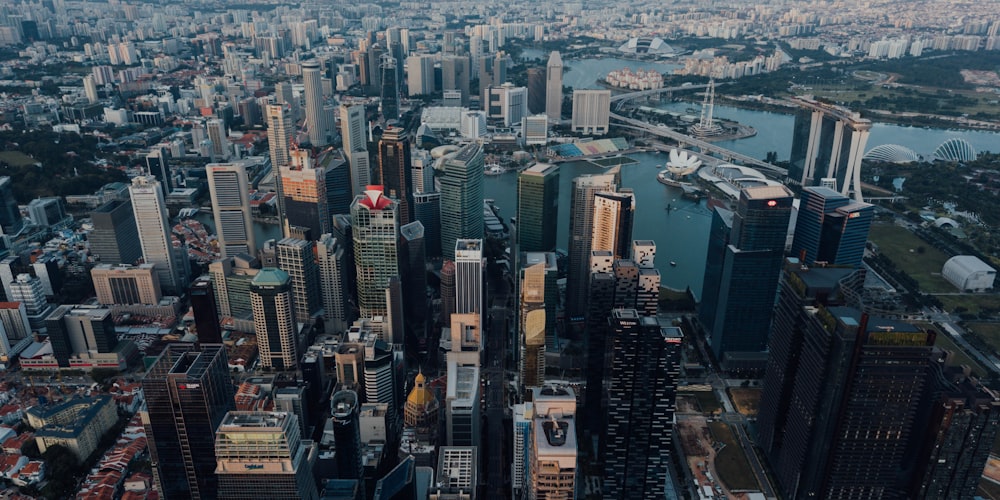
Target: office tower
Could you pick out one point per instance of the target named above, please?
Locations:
(413, 268)
(353, 132)
(523, 414)
(457, 473)
(90, 88)
(448, 291)
(76, 331)
(461, 197)
(11, 221)
(388, 69)
(645, 366)
(280, 131)
(297, 258)
(718, 242)
(400, 483)
(647, 298)
(455, 75)
(347, 434)
(828, 142)
(554, 451)
(154, 234)
(422, 410)
(469, 276)
(831, 228)
(420, 75)
(553, 88)
(427, 211)
(394, 322)
(316, 121)
(231, 279)
(536, 90)
(613, 216)
(283, 94)
(855, 389)
(395, 171)
(375, 221)
(315, 188)
(229, 188)
(591, 111)
(337, 312)
(206, 315)
(748, 279)
(114, 239)
(14, 321)
(126, 285)
(501, 61)
(188, 392)
(217, 134)
(581, 212)
(263, 455)
(28, 290)
(532, 326)
(462, 405)
(274, 319)
(47, 211)
(600, 303)
(156, 166)
(466, 340)
(508, 103)
(537, 207)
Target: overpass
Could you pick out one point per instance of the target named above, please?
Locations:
(628, 96)
(705, 147)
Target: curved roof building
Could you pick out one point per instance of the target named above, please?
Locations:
(646, 45)
(955, 150)
(892, 153)
(969, 273)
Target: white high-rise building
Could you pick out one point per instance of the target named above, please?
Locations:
(316, 121)
(420, 75)
(469, 276)
(353, 132)
(553, 87)
(591, 111)
(90, 88)
(509, 103)
(333, 283)
(154, 233)
(217, 133)
(553, 464)
(274, 319)
(229, 188)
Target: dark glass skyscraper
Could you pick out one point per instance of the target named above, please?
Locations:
(537, 208)
(395, 168)
(831, 228)
(11, 221)
(346, 434)
(115, 239)
(206, 316)
(188, 392)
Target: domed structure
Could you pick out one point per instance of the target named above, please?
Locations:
(892, 153)
(955, 149)
(422, 409)
(682, 163)
(646, 45)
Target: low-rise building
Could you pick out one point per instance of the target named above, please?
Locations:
(77, 424)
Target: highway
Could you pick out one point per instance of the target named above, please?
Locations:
(645, 93)
(494, 436)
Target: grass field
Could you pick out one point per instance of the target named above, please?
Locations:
(730, 462)
(900, 245)
(745, 399)
(989, 332)
(973, 303)
(16, 159)
(706, 400)
(959, 357)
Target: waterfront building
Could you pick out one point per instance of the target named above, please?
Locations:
(591, 111)
(828, 142)
(613, 218)
(581, 214)
(554, 87)
(831, 228)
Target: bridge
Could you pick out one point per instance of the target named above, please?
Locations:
(686, 140)
(628, 96)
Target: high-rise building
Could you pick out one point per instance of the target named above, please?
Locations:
(469, 276)
(427, 211)
(532, 326)
(457, 473)
(581, 213)
(274, 318)
(645, 366)
(126, 285)
(11, 221)
(455, 75)
(447, 291)
(28, 290)
(354, 133)
(400, 483)
(748, 279)
(316, 119)
(828, 142)
(508, 103)
(280, 131)
(231, 279)
(375, 221)
(14, 321)
(389, 69)
(154, 234)
(462, 178)
(219, 138)
(831, 228)
(263, 455)
(413, 267)
(613, 216)
(462, 405)
(297, 258)
(346, 433)
(158, 167)
(553, 87)
(333, 264)
(537, 208)
(591, 111)
(315, 188)
(420, 74)
(114, 239)
(395, 171)
(90, 89)
(188, 393)
(536, 91)
(552, 468)
(80, 330)
(206, 315)
(229, 188)
(47, 212)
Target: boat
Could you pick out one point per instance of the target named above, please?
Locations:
(673, 263)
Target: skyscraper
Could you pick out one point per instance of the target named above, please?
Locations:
(455, 75)
(462, 405)
(114, 239)
(315, 188)
(389, 70)
(413, 266)
(644, 373)
(469, 276)
(154, 233)
(337, 313)
(230, 191)
(613, 215)
(591, 111)
(353, 132)
(420, 74)
(375, 221)
(263, 455)
(80, 331)
(427, 211)
(751, 267)
(581, 213)
(346, 433)
(274, 319)
(297, 258)
(831, 228)
(447, 291)
(461, 197)
(828, 142)
(553, 87)
(206, 316)
(536, 90)
(395, 171)
(126, 285)
(11, 221)
(280, 131)
(537, 208)
(316, 122)
(188, 392)
(553, 464)
(532, 326)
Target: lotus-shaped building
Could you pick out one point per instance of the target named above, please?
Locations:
(682, 163)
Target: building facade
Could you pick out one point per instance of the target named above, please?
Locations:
(537, 208)
(272, 298)
(229, 188)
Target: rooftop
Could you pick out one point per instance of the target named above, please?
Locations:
(767, 192)
(253, 419)
(271, 276)
(540, 169)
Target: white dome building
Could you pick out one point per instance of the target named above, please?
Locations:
(955, 150)
(892, 153)
(969, 274)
